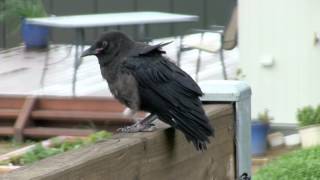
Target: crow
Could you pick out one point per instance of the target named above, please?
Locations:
(142, 78)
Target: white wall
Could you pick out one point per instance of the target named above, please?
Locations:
(285, 30)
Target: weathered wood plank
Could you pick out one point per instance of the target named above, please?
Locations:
(9, 113)
(80, 103)
(6, 131)
(159, 155)
(14, 102)
(49, 132)
(23, 118)
(107, 117)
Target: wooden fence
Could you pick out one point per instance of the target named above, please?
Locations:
(209, 11)
(161, 155)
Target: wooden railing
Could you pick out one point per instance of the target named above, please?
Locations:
(161, 155)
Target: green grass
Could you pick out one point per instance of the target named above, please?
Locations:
(40, 152)
(298, 165)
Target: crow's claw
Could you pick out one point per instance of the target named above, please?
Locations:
(137, 127)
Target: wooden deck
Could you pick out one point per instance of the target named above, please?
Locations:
(24, 72)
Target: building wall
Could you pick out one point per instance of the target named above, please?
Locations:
(285, 31)
(209, 11)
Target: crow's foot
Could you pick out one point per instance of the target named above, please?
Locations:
(138, 127)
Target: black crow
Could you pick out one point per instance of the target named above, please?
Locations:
(142, 78)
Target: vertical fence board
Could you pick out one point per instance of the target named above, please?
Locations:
(156, 30)
(12, 30)
(2, 32)
(218, 12)
(71, 7)
(111, 6)
(188, 7)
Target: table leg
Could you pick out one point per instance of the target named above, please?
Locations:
(141, 31)
(45, 66)
(82, 39)
(80, 36)
(44, 69)
(224, 71)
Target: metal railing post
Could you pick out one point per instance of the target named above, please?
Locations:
(239, 94)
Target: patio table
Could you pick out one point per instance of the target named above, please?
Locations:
(80, 22)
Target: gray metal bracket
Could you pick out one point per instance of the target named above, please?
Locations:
(238, 93)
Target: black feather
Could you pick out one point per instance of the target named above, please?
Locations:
(171, 94)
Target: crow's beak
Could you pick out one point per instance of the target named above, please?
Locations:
(88, 52)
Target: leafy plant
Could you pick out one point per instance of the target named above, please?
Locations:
(14, 10)
(40, 152)
(239, 74)
(298, 165)
(308, 115)
(22, 8)
(98, 136)
(264, 116)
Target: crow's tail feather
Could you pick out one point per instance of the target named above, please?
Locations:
(195, 126)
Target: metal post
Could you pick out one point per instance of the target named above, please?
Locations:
(199, 59)
(243, 143)
(80, 37)
(179, 53)
(224, 71)
(238, 93)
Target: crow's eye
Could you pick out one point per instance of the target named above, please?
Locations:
(101, 46)
(104, 44)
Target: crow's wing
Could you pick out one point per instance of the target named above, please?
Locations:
(148, 65)
(156, 72)
(170, 93)
(142, 49)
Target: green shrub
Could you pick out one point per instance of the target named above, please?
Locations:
(19, 8)
(40, 152)
(308, 116)
(299, 165)
(264, 116)
(13, 10)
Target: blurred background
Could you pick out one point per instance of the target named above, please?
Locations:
(275, 49)
(210, 12)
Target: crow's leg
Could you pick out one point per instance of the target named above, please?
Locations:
(144, 125)
(130, 113)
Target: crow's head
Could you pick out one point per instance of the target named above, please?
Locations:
(109, 46)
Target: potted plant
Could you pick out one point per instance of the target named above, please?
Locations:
(309, 122)
(34, 36)
(259, 131)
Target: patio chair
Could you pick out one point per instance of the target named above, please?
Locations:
(227, 37)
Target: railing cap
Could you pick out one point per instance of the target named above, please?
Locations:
(224, 90)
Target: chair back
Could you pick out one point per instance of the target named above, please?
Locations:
(231, 31)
